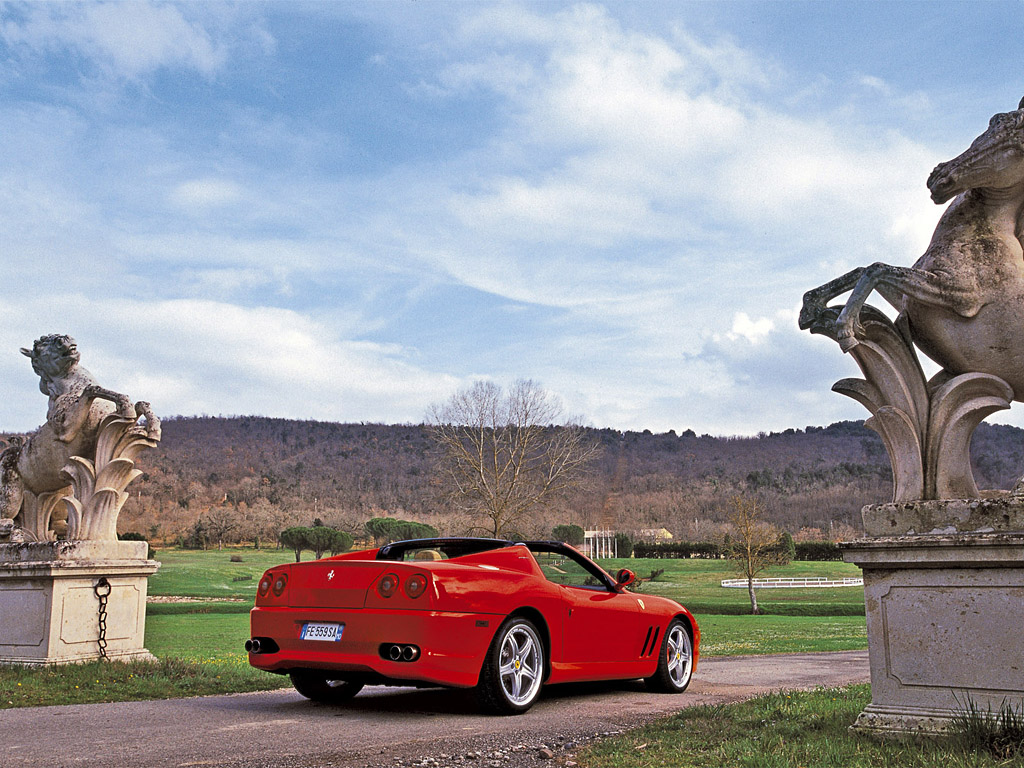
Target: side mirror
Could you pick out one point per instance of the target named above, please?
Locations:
(624, 578)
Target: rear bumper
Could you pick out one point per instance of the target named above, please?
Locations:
(452, 645)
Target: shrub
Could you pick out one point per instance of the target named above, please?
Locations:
(388, 529)
(786, 548)
(818, 550)
(319, 538)
(295, 539)
(570, 534)
(704, 550)
(624, 544)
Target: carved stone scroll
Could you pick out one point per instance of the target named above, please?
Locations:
(99, 485)
(926, 426)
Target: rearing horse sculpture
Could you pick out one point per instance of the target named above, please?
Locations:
(963, 300)
(78, 409)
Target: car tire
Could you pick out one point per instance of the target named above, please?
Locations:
(317, 685)
(513, 670)
(675, 660)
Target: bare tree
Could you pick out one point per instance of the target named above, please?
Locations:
(506, 453)
(220, 521)
(755, 543)
(263, 521)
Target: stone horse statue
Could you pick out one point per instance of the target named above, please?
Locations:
(77, 407)
(963, 300)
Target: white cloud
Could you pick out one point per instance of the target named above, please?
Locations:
(662, 146)
(188, 357)
(126, 38)
(753, 331)
(205, 193)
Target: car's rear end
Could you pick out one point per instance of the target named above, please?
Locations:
(366, 620)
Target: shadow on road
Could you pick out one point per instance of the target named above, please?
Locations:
(416, 702)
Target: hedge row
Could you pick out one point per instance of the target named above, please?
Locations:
(705, 550)
(709, 550)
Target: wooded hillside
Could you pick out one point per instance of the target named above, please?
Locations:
(265, 474)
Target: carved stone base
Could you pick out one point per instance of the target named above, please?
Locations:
(943, 617)
(998, 511)
(51, 612)
(901, 722)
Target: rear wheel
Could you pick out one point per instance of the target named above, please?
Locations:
(319, 686)
(675, 660)
(514, 668)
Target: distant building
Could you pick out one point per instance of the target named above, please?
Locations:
(654, 535)
(600, 544)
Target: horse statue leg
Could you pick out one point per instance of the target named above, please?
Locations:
(125, 409)
(816, 300)
(895, 284)
(143, 410)
(12, 490)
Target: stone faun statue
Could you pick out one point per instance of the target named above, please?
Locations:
(961, 303)
(81, 458)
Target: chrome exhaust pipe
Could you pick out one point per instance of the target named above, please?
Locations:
(395, 652)
(409, 653)
(253, 645)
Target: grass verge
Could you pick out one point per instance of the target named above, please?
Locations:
(756, 635)
(779, 730)
(129, 681)
(201, 653)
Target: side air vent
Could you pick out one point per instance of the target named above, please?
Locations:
(650, 642)
(643, 651)
(654, 642)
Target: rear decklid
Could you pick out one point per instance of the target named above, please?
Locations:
(332, 583)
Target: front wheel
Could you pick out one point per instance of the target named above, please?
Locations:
(675, 660)
(514, 668)
(319, 686)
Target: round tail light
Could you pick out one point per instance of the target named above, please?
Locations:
(388, 585)
(279, 584)
(265, 583)
(416, 585)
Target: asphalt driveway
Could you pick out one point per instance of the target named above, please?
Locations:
(391, 727)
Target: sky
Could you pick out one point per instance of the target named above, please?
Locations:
(348, 211)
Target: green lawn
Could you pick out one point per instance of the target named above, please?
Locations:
(203, 637)
(779, 730)
(210, 573)
(750, 635)
(697, 585)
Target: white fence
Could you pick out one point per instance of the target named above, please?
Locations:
(795, 583)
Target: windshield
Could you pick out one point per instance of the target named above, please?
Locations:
(437, 549)
(564, 565)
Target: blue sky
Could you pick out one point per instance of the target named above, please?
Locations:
(347, 211)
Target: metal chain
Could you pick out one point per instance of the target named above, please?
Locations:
(102, 590)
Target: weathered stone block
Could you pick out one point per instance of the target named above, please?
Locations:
(996, 513)
(943, 618)
(50, 607)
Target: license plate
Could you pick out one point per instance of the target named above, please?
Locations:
(318, 630)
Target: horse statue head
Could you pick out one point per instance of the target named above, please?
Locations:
(53, 357)
(995, 160)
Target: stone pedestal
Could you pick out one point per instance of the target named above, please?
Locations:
(49, 609)
(944, 617)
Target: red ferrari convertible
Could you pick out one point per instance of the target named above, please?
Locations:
(500, 616)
